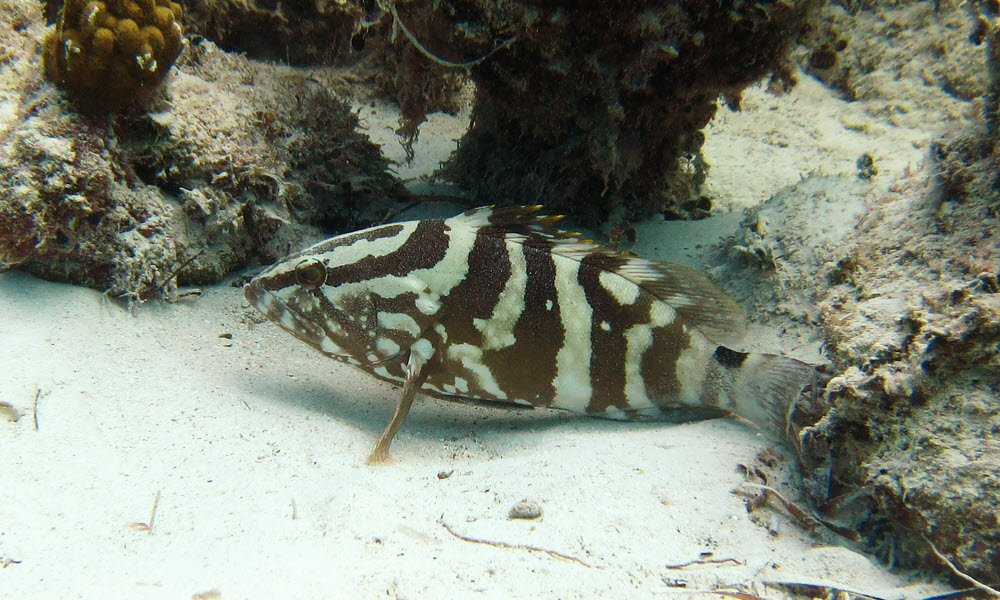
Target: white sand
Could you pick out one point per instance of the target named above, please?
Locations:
(256, 447)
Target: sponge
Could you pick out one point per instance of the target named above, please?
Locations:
(111, 55)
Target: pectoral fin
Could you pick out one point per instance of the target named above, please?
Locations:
(418, 367)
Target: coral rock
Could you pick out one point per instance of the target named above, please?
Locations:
(109, 56)
(590, 106)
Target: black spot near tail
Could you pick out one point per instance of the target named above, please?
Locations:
(729, 359)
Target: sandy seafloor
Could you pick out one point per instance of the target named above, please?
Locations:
(254, 444)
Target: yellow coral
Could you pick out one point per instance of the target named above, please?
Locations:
(92, 15)
(154, 37)
(162, 16)
(127, 38)
(111, 54)
(132, 11)
(102, 44)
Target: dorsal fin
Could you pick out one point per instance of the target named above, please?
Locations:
(695, 298)
(508, 218)
(692, 295)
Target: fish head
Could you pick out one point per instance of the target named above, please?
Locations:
(312, 296)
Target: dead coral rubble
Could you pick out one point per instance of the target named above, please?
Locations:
(339, 32)
(913, 319)
(907, 453)
(297, 33)
(236, 161)
(585, 107)
(897, 56)
(903, 447)
(396, 63)
(588, 106)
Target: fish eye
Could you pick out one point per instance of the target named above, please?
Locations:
(310, 273)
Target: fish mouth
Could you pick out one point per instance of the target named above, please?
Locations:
(254, 293)
(283, 315)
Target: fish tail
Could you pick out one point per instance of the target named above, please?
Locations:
(767, 389)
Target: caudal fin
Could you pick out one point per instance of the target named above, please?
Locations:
(767, 388)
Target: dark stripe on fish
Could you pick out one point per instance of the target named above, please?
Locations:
(425, 248)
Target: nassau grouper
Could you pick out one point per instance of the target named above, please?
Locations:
(498, 305)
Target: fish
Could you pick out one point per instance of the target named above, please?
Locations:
(500, 305)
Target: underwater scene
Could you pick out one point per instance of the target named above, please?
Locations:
(465, 299)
